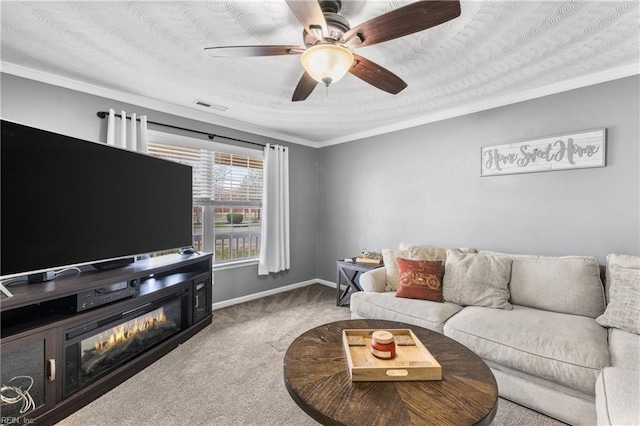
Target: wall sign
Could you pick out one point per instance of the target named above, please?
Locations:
(571, 151)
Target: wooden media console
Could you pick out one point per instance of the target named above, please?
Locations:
(66, 342)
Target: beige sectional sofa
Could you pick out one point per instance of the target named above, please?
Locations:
(545, 348)
(618, 386)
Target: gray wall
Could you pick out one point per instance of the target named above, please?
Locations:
(74, 113)
(423, 185)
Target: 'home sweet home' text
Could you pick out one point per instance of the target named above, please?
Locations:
(555, 153)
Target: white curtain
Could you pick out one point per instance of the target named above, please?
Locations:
(274, 238)
(135, 139)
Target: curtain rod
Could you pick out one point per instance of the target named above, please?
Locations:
(104, 114)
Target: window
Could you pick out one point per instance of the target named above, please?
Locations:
(227, 196)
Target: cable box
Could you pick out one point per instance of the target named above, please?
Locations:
(91, 299)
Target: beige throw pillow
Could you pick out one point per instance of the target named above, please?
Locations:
(417, 252)
(623, 310)
(622, 261)
(390, 259)
(477, 280)
(427, 253)
(433, 253)
(412, 252)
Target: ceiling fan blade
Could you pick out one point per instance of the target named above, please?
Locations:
(310, 16)
(248, 51)
(304, 88)
(403, 21)
(377, 76)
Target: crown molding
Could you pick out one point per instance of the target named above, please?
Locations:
(146, 102)
(495, 102)
(169, 108)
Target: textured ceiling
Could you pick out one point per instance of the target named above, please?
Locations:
(495, 53)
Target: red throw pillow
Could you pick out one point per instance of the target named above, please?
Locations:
(420, 279)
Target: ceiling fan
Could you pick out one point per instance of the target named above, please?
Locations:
(329, 40)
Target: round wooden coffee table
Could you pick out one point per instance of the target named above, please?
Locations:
(317, 378)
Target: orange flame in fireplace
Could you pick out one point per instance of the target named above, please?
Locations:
(129, 329)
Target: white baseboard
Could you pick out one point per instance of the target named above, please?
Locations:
(254, 296)
(329, 283)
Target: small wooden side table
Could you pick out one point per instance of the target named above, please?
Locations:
(349, 273)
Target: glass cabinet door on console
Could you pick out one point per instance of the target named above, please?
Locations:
(202, 297)
(28, 374)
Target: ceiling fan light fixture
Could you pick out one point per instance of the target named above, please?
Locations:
(327, 63)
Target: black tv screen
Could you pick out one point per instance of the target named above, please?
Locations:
(66, 201)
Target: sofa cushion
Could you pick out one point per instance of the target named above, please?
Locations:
(387, 306)
(477, 280)
(567, 284)
(625, 349)
(623, 310)
(420, 279)
(567, 349)
(617, 396)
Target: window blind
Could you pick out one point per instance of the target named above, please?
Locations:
(218, 178)
(237, 179)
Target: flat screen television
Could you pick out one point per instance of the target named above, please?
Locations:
(66, 201)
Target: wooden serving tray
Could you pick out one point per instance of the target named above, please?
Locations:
(413, 361)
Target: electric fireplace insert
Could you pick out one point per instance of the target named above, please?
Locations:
(100, 346)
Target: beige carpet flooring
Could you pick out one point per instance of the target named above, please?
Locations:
(231, 372)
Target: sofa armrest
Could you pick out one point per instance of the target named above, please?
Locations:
(374, 281)
(617, 393)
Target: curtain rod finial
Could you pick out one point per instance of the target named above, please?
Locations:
(102, 114)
